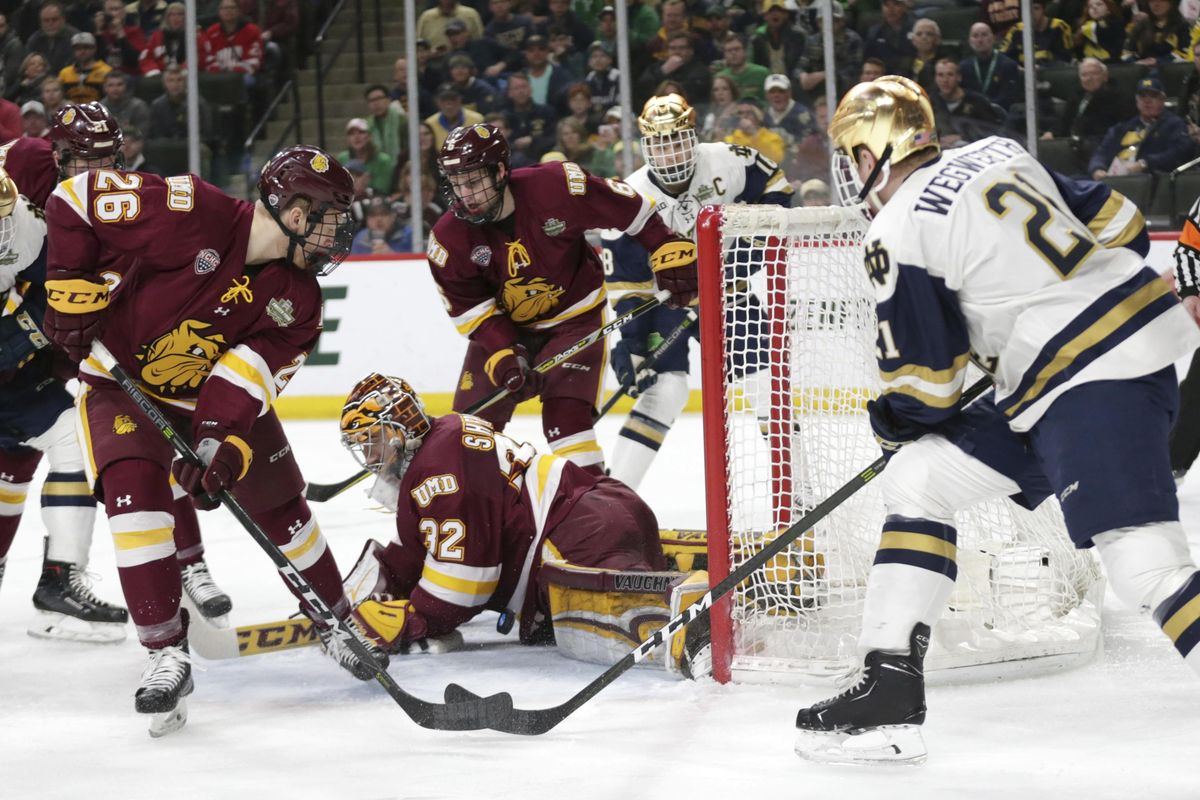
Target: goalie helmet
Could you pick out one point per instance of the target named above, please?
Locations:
(383, 419)
(470, 159)
(9, 195)
(86, 136)
(668, 127)
(306, 173)
(892, 118)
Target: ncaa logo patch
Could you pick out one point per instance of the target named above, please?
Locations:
(482, 255)
(207, 260)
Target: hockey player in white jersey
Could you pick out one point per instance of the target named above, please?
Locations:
(681, 176)
(983, 254)
(37, 417)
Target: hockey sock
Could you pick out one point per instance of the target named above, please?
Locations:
(293, 527)
(644, 431)
(137, 498)
(188, 547)
(567, 424)
(69, 514)
(910, 582)
(16, 472)
(1151, 569)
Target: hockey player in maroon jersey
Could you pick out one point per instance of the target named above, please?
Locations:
(31, 163)
(216, 314)
(481, 520)
(521, 282)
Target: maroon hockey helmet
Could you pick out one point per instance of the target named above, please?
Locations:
(470, 159)
(86, 137)
(307, 173)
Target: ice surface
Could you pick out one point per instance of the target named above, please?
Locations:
(293, 725)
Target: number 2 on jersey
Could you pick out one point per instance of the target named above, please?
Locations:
(1037, 225)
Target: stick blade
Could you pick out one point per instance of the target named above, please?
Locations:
(502, 716)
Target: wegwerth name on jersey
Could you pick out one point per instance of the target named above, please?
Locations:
(958, 172)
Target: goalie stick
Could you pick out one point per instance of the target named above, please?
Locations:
(535, 722)
(320, 492)
(476, 715)
(652, 359)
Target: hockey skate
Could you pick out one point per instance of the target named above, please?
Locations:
(166, 681)
(68, 610)
(332, 646)
(207, 598)
(878, 719)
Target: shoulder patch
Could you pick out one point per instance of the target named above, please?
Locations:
(576, 178)
(435, 252)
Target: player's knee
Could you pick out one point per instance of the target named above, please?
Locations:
(64, 452)
(1146, 564)
(909, 487)
(664, 401)
(135, 484)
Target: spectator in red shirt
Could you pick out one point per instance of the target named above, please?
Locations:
(11, 126)
(166, 46)
(234, 44)
(121, 44)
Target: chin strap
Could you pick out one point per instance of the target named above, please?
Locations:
(880, 165)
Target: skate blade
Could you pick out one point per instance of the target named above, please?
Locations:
(64, 628)
(169, 721)
(900, 745)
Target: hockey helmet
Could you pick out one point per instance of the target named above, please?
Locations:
(9, 196)
(309, 174)
(470, 159)
(892, 118)
(668, 127)
(383, 419)
(86, 136)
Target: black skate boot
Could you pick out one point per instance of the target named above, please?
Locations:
(332, 646)
(166, 681)
(67, 608)
(212, 603)
(876, 721)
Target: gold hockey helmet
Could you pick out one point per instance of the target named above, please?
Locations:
(888, 112)
(668, 127)
(8, 193)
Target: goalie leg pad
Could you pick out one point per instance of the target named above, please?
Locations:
(601, 614)
(685, 550)
(690, 650)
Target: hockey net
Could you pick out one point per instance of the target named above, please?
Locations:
(789, 334)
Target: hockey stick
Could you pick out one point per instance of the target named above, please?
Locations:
(320, 492)
(535, 722)
(453, 717)
(652, 359)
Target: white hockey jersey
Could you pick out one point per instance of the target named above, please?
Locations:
(984, 253)
(22, 241)
(725, 173)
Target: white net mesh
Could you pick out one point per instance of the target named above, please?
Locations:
(799, 344)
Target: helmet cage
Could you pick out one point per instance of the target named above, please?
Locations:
(671, 156)
(487, 197)
(325, 243)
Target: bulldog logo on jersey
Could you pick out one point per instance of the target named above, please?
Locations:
(181, 358)
(526, 300)
(518, 258)
(123, 424)
(207, 260)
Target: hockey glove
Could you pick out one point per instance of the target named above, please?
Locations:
(389, 622)
(674, 265)
(226, 461)
(627, 371)
(511, 369)
(891, 431)
(75, 314)
(20, 337)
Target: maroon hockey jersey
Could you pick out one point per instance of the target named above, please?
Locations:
(535, 269)
(473, 510)
(199, 329)
(30, 163)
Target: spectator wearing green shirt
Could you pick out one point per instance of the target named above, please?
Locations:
(359, 145)
(748, 76)
(385, 122)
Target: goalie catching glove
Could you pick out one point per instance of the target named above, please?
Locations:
(75, 314)
(511, 368)
(674, 265)
(226, 461)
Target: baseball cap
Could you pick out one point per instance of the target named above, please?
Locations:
(598, 45)
(839, 11)
(614, 112)
(777, 81)
(380, 205)
(455, 26)
(814, 186)
(537, 40)
(607, 10)
(357, 124)
(448, 90)
(718, 10)
(1150, 84)
(83, 40)
(769, 4)
(459, 60)
(33, 107)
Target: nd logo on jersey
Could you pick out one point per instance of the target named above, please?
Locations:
(182, 358)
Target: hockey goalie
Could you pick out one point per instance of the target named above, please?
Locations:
(484, 522)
